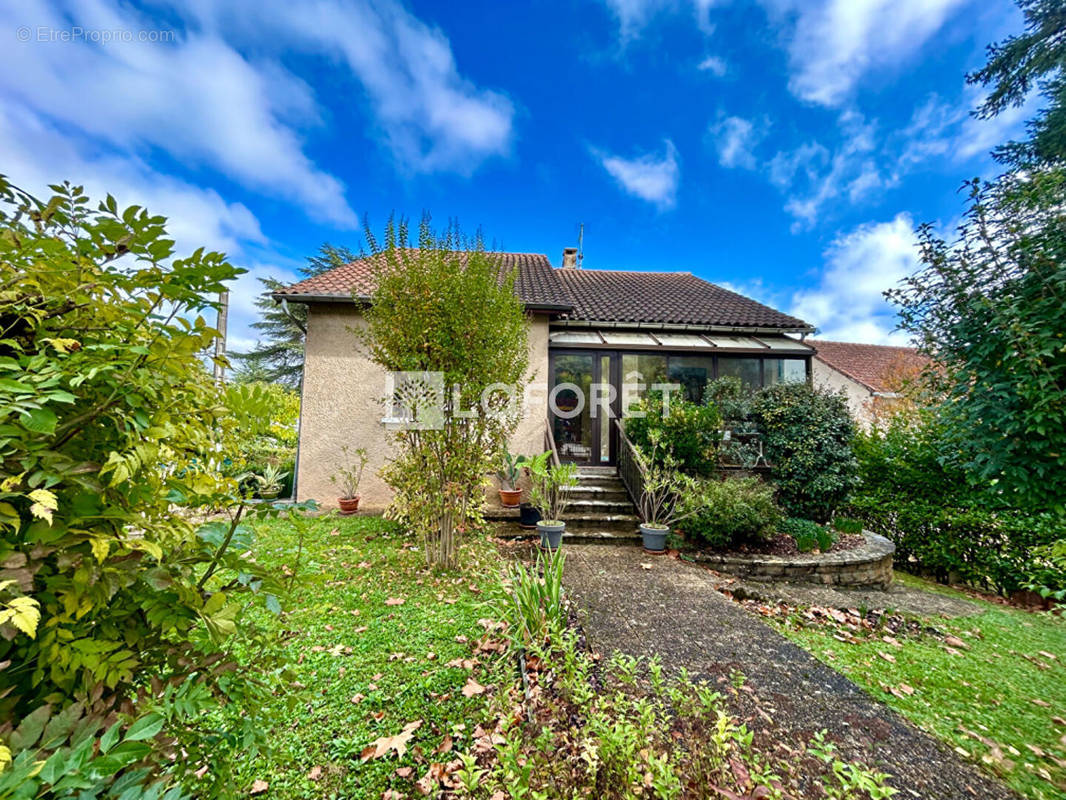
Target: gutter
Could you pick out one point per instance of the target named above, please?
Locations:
(668, 326)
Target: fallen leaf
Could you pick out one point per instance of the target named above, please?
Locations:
(259, 786)
(887, 656)
(395, 601)
(472, 688)
(357, 699)
(404, 772)
(315, 773)
(398, 743)
(445, 745)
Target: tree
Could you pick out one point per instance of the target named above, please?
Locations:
(1035, 58)
(279, 355)
(445, 307)
(109, 421)
(990, 306)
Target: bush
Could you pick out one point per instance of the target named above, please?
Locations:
(915, 494)
(689, 433)
(120, 605)
(847, 525)
(733, 511)
(807, 436)
(808, 535)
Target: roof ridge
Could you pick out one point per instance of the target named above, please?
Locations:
(912, 348)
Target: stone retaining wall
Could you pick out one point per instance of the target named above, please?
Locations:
(867, 565)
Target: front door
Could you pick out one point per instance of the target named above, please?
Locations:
(584, 406)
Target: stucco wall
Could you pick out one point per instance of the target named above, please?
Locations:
(860, 398)
(341, 405)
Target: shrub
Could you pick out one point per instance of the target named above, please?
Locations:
(121, 605)
(847, 525)
(733, 511)
(689, 433)
(808, 535)
(807, 434)
(446, 307)
(915, 494)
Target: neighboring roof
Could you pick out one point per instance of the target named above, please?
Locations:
(535, 284)
(678, 298)
(584, 295)
(877, 367)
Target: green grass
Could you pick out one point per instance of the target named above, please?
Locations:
(397, 658)
(981, 700)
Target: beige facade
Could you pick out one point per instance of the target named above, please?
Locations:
(341, 405)
(860, 397)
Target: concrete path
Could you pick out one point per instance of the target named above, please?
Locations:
(673, 610)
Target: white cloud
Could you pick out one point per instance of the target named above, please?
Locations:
(634, 15)
(735, 139)
(833, 44)
(242, 298)
(649, 177)
(197, 100)
(714, 65)
(859, 266)
(812, 176)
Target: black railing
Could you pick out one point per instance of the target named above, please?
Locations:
(629, 469)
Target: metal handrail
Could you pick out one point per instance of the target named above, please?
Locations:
(549, 442)
(629, 468)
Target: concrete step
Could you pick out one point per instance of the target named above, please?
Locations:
(616, 505)
(596, 471)
(600, 481)
(623, 523)
(583, 536)
(598, 493)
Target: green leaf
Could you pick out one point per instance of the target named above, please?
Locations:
(39, 420)
(144, 728)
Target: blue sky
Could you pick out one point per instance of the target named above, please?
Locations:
(785, 148)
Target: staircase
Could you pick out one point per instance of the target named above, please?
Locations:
(599, 509)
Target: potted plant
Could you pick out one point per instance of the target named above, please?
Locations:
(348, 477)
(270, 482)
(663, 495)
(549, 489)
(510, 469)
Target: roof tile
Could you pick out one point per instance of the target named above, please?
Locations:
(877, 367)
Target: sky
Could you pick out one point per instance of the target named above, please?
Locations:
(786, 149)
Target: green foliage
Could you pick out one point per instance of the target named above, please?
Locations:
(1035, 58)
(807, 534)
(663, 486)
(549, 486)
(733, 511)
(263, 421)
(279, 356)
(108, 422)
(915, 495)
(509, 470)
(807, 433)
(847, 525)
(689, 432)
(350, 474)
(445, 307)
(1047, 576)
(530, 600)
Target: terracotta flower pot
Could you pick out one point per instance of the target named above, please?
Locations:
(349, 505)
(510, 498)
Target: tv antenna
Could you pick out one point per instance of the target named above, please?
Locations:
(580, 243)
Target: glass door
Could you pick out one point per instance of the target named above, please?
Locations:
(582, 403)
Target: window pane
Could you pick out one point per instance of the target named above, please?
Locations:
(747, 369)
(692, 372)
(784, 370)
(640, 368)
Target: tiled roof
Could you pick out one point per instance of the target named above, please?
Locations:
(678, 298)
(535, 284)
(877, 367)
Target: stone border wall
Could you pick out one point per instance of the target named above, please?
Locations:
(867, 565)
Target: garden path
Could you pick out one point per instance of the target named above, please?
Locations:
(646, 605)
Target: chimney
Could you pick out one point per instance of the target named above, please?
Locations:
(569, 257)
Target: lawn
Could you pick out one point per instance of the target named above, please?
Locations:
(374, 641)
(997, 695)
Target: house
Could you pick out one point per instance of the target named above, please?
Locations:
(623, 330)
(872, 376)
